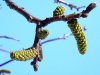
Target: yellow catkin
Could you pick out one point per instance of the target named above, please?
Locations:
(59, 11)
(23, 55)
(78, 34)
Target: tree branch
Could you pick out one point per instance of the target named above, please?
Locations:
(46, 21)
(28, 16)
(36, 45)
(83, 14)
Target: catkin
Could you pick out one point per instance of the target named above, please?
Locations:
(23, 55)
(59, 11)
(43, 34)
(79, 35)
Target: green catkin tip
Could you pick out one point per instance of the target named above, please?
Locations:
(79, 35)
(59, 11)
(43, 34)
(23, 55)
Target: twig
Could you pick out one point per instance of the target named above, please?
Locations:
(68, 4)
(28, 16)
(4, 50)
(5, 63)
(8, 38)
(60, 37)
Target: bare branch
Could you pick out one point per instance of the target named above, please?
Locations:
(5, 63)
(7, 37)
(68, 4)
(3, 50)
(43, 23)
(29, 17)
(83, 14)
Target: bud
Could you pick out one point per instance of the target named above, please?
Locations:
(42, 34)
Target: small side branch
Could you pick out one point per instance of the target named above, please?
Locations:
(7, 37)
(29, 17)
(68, 4)
(3, 50)
(5, 63)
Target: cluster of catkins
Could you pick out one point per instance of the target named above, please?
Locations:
(27, 54)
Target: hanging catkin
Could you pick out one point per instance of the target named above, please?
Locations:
(78, 34)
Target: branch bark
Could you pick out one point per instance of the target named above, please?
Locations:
(20, 10)
(48, 20)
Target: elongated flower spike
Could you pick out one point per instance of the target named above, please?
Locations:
(79, 35)
(23, 55)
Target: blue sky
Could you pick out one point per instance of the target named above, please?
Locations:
(60, 57)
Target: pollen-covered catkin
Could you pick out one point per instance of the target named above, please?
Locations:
(23, 55)
(79, 35)
(59, 11)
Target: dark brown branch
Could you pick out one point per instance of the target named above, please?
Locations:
(29, 17)
(83, 14)
(45, 22)
(37, 46)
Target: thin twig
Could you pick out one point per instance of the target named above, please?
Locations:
(3, 50)
(5, 63)
(28, 16)
(68, 4)
(63, 37)
(8, 38)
